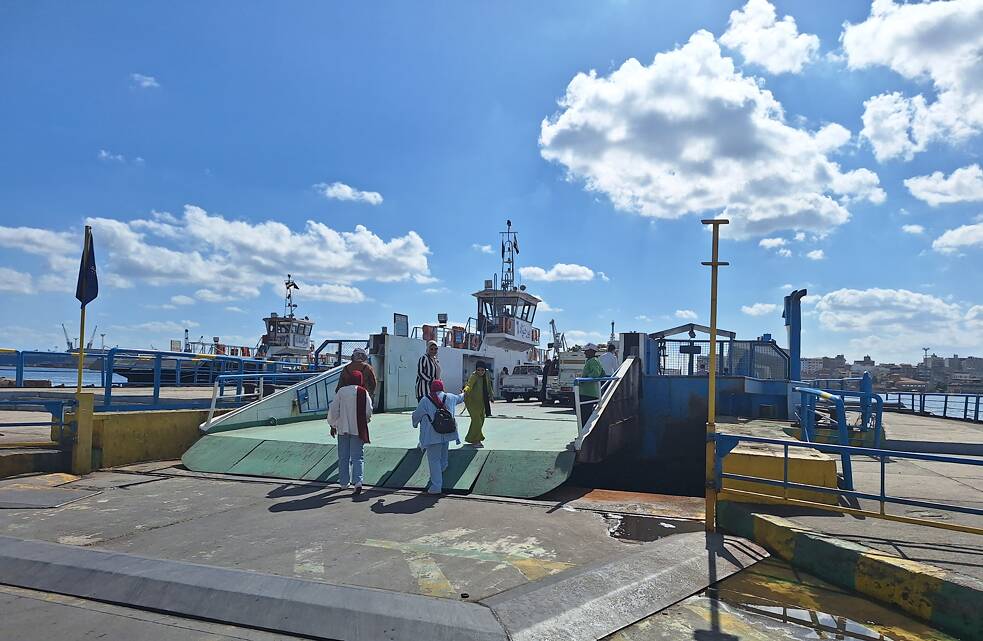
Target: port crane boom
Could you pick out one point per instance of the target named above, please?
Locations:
(91, 338)
(68, 341)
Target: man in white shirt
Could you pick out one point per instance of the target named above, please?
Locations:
(609, 360)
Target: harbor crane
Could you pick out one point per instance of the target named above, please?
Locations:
(88, 345)
(68, 341)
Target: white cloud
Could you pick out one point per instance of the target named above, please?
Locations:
(235, 310)
(800, 236)
(963, 185)
(816, 254)
(785, 253)
(939, 42)
(109, 156)
(763, 40)
(964, 236)
(181, 299)
(913, 229)
(15, 282)
(581, 337)
(156, 327)
(686, 314)
(225, 259)
(341, 191)
(772, 243)
(436, 290)
(144, 82)
(644, 318)
(896, 323)
(546, 307)
(559, 271)
(760, 309)
(484, 249)
(689, 134)
(332, 292)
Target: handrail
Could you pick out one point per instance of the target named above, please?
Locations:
(809, 397)
(218, 389)
(725, 443)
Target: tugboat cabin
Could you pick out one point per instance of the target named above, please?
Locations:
(505, 317)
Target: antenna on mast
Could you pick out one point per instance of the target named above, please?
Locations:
(510, 247)
(925, 349)
(288, 304)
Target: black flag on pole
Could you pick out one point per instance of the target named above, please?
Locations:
(88, 283)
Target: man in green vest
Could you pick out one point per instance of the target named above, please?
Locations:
(590, 392)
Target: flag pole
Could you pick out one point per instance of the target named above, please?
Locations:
(81, 353)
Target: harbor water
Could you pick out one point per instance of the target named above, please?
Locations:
(60, 377)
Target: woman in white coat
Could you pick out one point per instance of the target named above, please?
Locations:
(434, 443)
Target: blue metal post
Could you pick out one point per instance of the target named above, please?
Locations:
(107, 393)
(177, 372)
(866, 392)
(19, 377)
(156, 379)
(844, 440)
(793, 320)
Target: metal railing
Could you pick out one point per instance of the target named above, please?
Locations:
(756, 359)
(62, 430)
(613, 423)
(243, 395)
(960, 407)
(725, 444)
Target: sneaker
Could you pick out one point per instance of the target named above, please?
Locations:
(479, 444)
(358, 490)
(345, 486)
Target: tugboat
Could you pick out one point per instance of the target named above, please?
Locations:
(287, 338)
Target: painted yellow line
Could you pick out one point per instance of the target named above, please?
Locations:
(429, 576)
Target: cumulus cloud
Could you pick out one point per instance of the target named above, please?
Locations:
(144, 82)
(772, 243)
(582, 337)
(559, 271)
(686, 314)
(954, 239)
(341, 191)
(816, 254)
(181, 299)
(689, 134)
(760, 309)
(913, 229)
(234, 309)
(15, 282)
(940, 42)
(546, 307)
(962, 185)
(484, 249)
(765, 41)
(785, 253)
(225, 259)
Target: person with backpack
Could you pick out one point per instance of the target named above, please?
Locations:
(349, 415)
(434, 417)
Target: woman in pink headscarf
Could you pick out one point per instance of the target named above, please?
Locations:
(435, 444)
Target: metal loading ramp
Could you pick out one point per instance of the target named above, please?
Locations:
(528, 449)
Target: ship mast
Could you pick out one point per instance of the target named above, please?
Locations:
(288, 304)
(510, 247)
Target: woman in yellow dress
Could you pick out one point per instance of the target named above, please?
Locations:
(477, 398)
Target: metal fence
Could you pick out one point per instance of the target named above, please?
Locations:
(725, 443)
(757, 359)
(963, 407)
(62, 430)
(332, 353)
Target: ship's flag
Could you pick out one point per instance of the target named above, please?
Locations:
(88, 283)
(515, 244)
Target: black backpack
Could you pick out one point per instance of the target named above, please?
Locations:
(443, 421)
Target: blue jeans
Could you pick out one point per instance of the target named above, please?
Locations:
(437, 459)
(350, 458)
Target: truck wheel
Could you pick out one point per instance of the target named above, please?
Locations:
(508, 397)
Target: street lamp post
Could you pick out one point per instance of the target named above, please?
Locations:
(711, 447)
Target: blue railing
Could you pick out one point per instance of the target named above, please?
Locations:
(57, 408)
(725, 443)
(960, 407)
(807, 417)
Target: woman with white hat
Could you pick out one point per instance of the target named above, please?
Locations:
(427, 370)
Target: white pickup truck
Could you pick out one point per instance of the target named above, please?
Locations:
(525, 381)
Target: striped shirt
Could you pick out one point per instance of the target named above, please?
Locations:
(427, 369)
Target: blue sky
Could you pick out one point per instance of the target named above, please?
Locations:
(206, 143)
